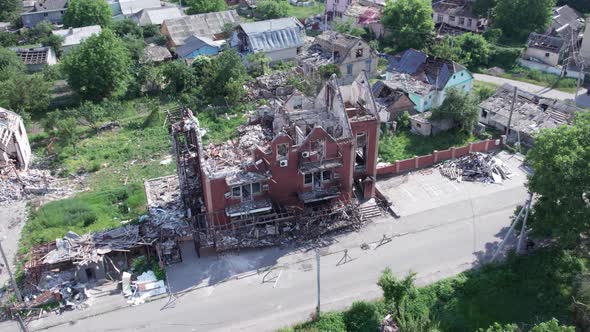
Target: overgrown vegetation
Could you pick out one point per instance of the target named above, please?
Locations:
(141, 264)
(404, 144)
(527, 292)
(543, 79)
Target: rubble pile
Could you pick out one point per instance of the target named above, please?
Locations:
(16, 186)
(270, 86)
(476, 167)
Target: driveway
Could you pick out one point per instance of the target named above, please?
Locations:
(532, 88)
(435, 239)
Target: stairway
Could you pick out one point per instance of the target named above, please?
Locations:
(370, 210)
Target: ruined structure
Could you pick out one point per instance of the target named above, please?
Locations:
(290, 172)
(14, 144)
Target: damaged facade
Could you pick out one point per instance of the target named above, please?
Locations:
(14, 143)
(290, 171)
(351, 54)
(456, 17)
(531, 113)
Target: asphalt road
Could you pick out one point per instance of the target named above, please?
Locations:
(435, 243)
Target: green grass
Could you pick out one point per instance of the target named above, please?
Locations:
(404, 144)
(525, 290)
(220, 125)
(542, 79)
(481, 84)
(305, 12)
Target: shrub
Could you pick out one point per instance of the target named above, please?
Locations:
(362, 317)
(504, 57)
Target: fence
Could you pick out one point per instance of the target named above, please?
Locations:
(402, 166)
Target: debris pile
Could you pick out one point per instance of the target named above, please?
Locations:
(476, 167)
(270, 86)
(16, 186)
(146, 286)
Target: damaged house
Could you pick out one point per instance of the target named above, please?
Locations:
(291, 171)
(455, 17)
(531, 113)
(426, 79)
(392, 101)
(14, 144)
(209, 25)
(279, 39)
(351, 54)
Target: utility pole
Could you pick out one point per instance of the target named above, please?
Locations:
(579, 80)
(317, 257)
(501, 246)
(522, 230)
(511, 111)
(14, 286)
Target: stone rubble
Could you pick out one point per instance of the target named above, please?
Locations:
(476, 167)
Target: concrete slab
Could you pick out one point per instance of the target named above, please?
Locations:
(428, 189)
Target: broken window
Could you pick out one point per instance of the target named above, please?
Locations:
(326, 176)
(308, 179)
(349, 69)
(255, 188)
(361, 151)
(359, 52)
(439, 18)
(317, 179)
(461, 20)
(418, 125)
(236, 192)
(452, 18)
(484, 114)
(336, 54)
(246, 192)
(283, 151)
(330, 130)
(469, 22)
(338, 131)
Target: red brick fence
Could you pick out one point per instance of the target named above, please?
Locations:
(402, 166)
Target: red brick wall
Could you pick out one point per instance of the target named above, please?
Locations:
(402, 166)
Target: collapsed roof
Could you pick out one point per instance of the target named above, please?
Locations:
(273, 35)
(207, 25)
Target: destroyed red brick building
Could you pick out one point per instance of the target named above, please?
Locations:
(294, 155)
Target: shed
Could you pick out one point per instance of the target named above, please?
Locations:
(195, 46)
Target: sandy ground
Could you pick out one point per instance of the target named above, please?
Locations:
(12, 220)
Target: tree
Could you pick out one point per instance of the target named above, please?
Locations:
(492, 35)
(518, 18)
(9, 9)
(395, 291)
(326, 71)
(67, 132)
(362, 317)
(561, 182)
(446, 48)
(483, 7)
(8, 39)
(582, 6)
(348, 27)
(99, 68)
(9, 61)
(269, 9)
(82, 13)
(178, 76)
(475, 50)
(25, 93)
(38, 32)
(202, 67)
(53, 41)
(225, 68)
(459, 107)
(92, 114)
(552, 326)
(205, 6)
(127, 27)
(410, 22)
(259, 59)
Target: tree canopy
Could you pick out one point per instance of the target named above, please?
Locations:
(9, 9)
(518, 18)
(459, 107)
(9, 61)
(205, 6)
(99, 68)
(579, 5)
(561, 181)
(83, 13)
(269, 9)
(410, 22)
(348, 27)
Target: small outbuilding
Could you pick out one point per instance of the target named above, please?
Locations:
(422, 124)
(195, 46)
(36, 58)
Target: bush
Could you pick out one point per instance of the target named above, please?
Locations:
(362, 317)
(504, 57)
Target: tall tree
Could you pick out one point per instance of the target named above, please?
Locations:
(560, 159)
(459, 107)
(9, 61)
(258, 60)
(25, 93)
(474, 50)
(83, 13)
(409, 21)
(484, 7)
(205, 6)
(99, 68)
(348, 27)
(228, 75)
(518, 18)
(9, 9)
(179, 77)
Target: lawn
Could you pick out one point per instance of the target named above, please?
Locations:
(525, 290)
(405, 145)
(117, 162)
(542, 79)
(305, 12)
